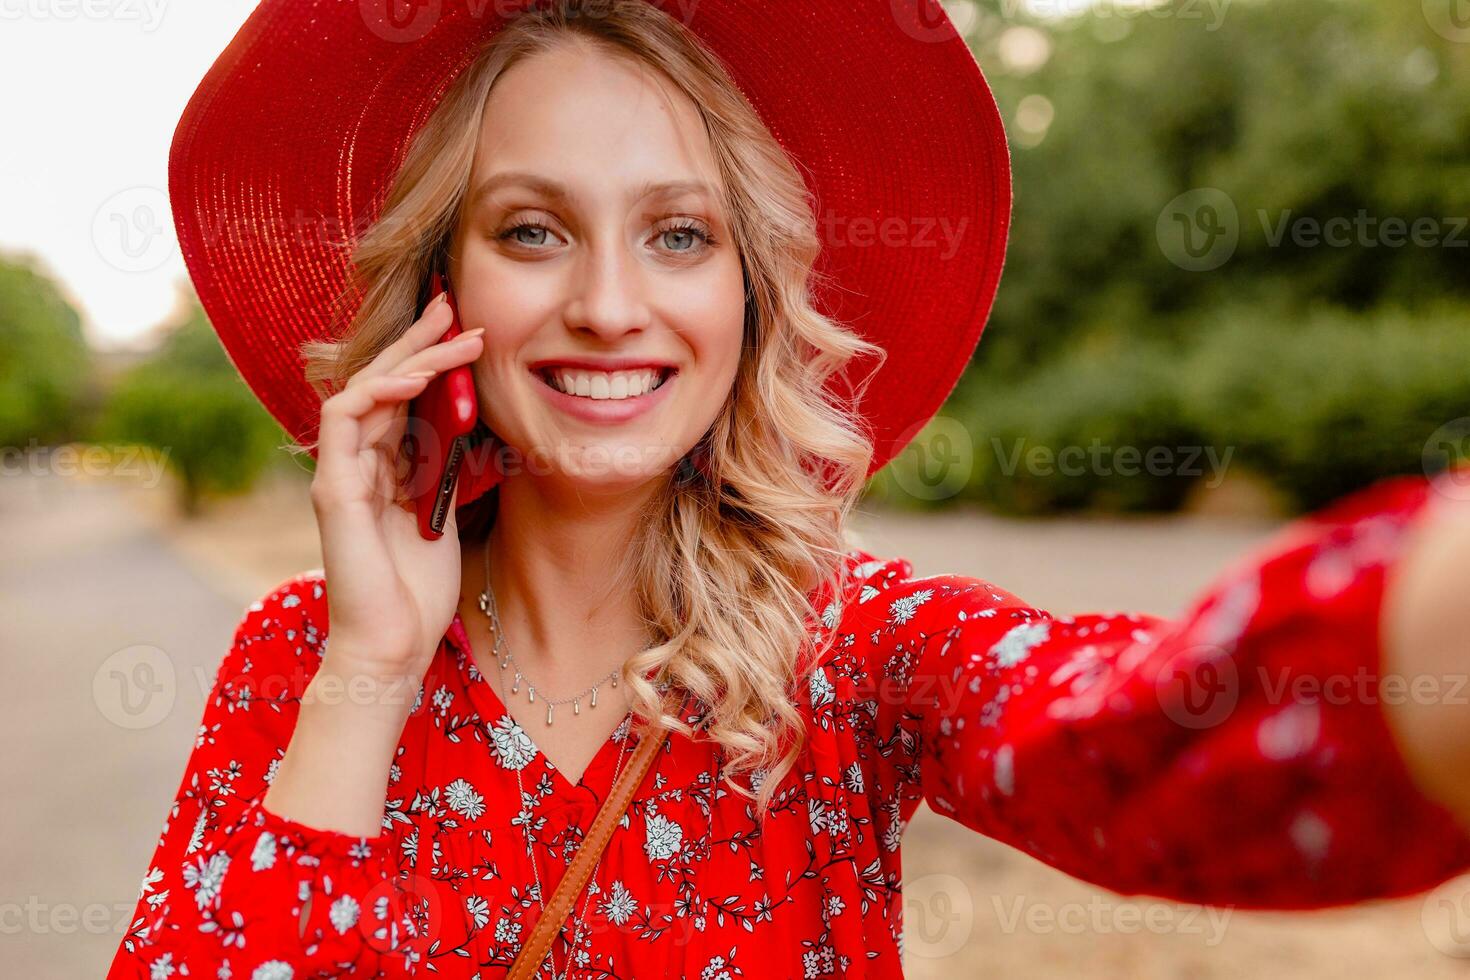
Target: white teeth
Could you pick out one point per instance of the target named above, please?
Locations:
(603, 385)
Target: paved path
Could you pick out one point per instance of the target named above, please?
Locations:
(89, 575)
(86, 796)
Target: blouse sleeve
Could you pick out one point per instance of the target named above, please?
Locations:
(224, 892)
(1236, 756)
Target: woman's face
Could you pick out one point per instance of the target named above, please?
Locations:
(593, 250)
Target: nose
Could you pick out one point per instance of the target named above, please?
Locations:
(607, 296)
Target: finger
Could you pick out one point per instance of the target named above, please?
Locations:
(385, 425)
(443, 356)
(343, 434)
(427, 329)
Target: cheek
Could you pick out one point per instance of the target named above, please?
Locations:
(717, 320)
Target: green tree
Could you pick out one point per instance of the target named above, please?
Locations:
(188, 402)
(44, 361)
(1326, 364)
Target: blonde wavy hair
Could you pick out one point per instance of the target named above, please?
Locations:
(726, 556)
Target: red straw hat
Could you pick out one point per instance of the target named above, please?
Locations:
(305, 117)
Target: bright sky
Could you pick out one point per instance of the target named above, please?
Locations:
(93, 89)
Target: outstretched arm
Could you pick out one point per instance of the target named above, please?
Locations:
(1240, 755)
(1426, 636)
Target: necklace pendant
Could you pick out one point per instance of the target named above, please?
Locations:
(576, 706)
(549, 708)
(614, 680)
(594, 695)
(484, 602)
(531, 693)
(515, 687)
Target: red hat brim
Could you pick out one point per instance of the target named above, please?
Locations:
(294, 133)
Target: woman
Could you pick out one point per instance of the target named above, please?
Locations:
(661, 537)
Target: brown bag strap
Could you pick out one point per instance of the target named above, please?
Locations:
(548, 927)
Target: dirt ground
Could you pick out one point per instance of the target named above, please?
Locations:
(99, 566)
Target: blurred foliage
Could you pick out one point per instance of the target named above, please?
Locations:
(1322, 366)
(1317, 366)
(1391, 397)
(45, 371)
(188, 402)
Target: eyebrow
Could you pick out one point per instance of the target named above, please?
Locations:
(556, 191)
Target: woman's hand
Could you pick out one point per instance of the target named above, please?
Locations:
(1425, 628)
(390, 593)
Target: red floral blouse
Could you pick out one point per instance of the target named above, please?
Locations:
(1205, 760)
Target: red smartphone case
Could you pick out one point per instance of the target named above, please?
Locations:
(439, 419)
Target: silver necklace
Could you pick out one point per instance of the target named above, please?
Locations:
(580, 920)
(506, 661)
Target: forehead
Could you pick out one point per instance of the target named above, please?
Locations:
(589, 118)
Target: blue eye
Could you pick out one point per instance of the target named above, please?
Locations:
(513, 233)
(685, 231)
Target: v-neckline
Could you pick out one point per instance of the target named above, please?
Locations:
(478, 683)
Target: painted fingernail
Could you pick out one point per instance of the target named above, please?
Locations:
(419, 374)
(473, 333)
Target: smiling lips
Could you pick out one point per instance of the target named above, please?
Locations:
(606, 385)
(605, 395)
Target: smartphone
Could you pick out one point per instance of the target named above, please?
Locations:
(439, 421)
